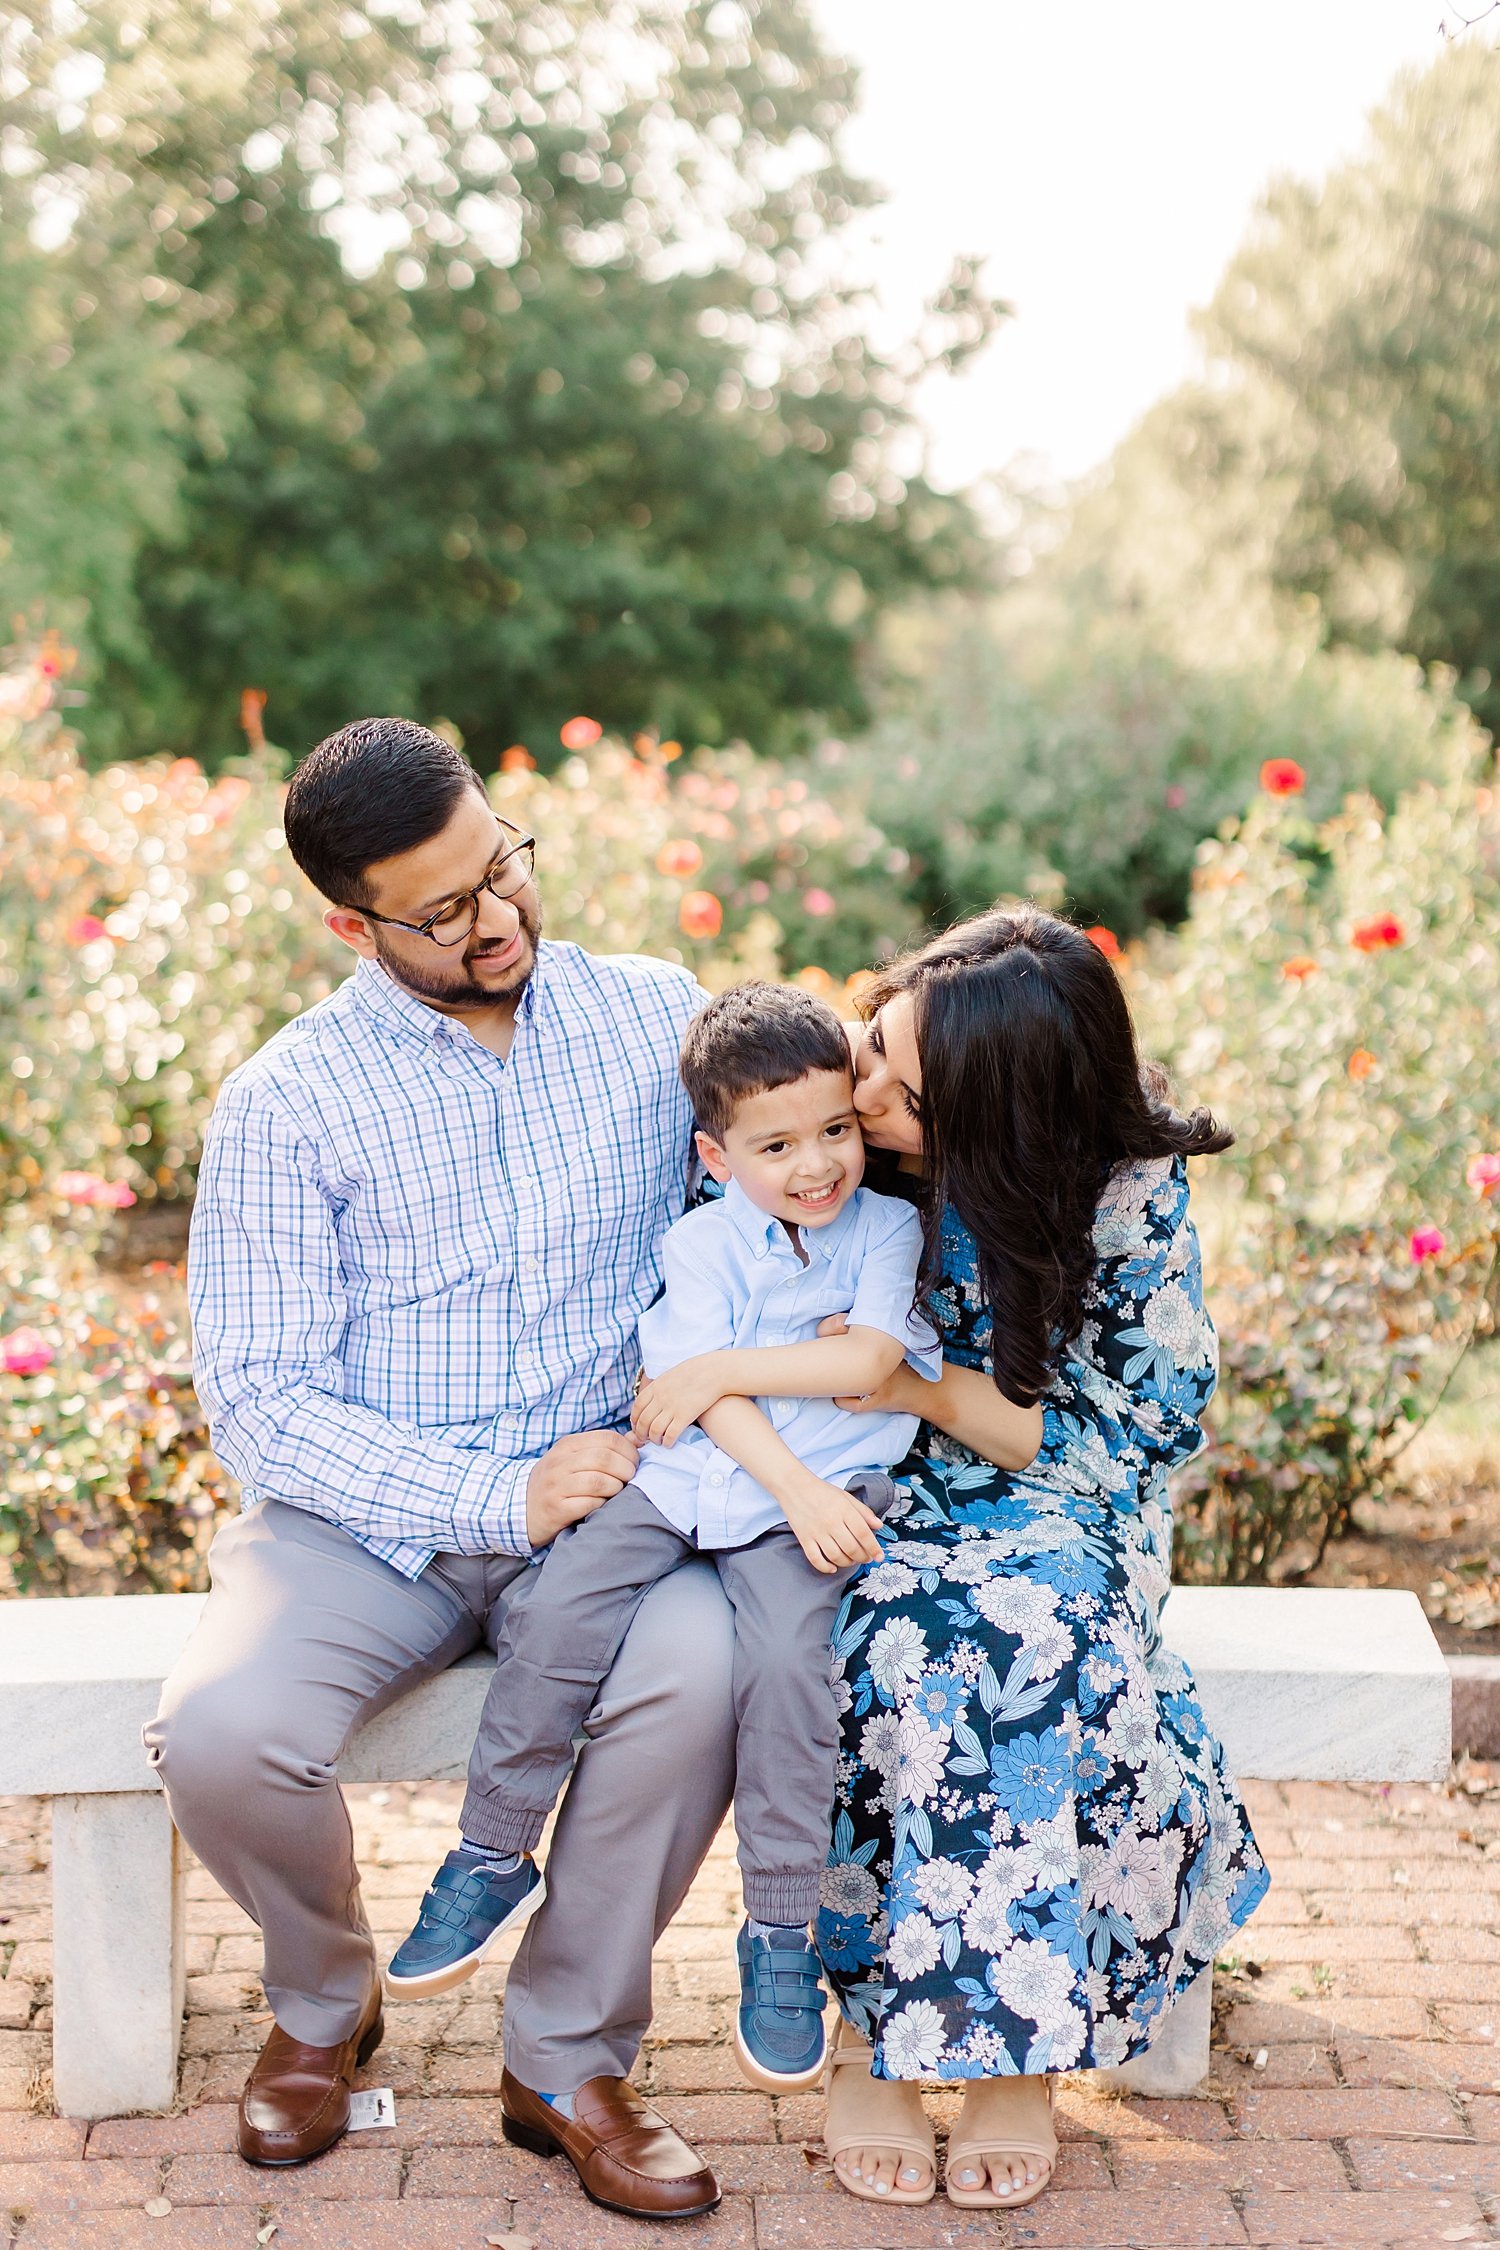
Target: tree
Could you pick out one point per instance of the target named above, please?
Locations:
(1338, 473)
(507, 380)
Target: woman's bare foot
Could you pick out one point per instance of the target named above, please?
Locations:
(1003, 2145)
(879, 2138)
(875, 2170)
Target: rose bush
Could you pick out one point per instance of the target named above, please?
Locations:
(1334, 993)
(109, 1482)
(154, 931)
(1335, 996)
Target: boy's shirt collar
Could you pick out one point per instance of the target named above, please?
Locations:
(763, 1232)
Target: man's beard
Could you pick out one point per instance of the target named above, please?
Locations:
(461, 990)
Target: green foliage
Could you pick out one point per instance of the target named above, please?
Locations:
(1335, 996)
(588, 429)
(1090, 782)
(1338, 472)
(1334, 993)
(92, 426)
(154, 931)
(109, 1483)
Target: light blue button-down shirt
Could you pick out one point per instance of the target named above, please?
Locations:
(733, 1282)
(414, 1266)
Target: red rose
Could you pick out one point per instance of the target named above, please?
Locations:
(1376, 936)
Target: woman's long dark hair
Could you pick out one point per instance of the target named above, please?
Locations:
(1032, 1093)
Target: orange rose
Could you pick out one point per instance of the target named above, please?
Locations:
(680, 858)
(700, 915)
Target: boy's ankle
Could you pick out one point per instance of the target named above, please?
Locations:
(490, 1855)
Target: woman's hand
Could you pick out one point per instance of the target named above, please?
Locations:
(893, 1396)
(666, 1405)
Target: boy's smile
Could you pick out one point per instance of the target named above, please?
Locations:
(795, 1150)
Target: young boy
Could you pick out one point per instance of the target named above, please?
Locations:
(784, 1494)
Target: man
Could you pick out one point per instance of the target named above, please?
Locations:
(428, 1219)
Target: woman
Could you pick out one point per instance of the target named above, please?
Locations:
(1035, 1847)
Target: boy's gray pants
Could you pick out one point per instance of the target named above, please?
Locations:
(559, 1639)
(306, 1634)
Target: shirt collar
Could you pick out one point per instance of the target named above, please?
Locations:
(411, 1019)
(763, 1232)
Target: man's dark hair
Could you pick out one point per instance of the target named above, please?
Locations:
(751, 1039)
(375, 788)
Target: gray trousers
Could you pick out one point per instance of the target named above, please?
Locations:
(559, 1639)
(304, 1635)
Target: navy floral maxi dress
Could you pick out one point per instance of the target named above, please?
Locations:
(1035, 1845)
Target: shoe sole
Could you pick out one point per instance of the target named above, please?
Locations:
(768, 2081)
(538, 2143)
(443, 1980)
(362, 2054)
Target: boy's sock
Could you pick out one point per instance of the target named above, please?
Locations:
(504, 1863)
(779, 1933)
(561, 2102)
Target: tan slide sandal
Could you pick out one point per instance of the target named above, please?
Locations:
(1024, 2131)
(868, 2112)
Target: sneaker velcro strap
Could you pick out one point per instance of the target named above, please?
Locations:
(785, 1980)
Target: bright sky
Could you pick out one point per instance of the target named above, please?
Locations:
(1106, 160)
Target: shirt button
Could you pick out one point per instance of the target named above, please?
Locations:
(716, 1478)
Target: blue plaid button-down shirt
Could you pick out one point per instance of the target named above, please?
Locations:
(414, 1266)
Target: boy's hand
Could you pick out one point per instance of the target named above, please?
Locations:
(834, 1530)
(573, 1478)
(666, 1405)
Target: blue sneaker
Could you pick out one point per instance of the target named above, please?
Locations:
(779, 2035)
(466, 1907)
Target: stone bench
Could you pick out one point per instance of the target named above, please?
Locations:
(1298, 1685)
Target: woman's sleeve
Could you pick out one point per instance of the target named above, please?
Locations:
(1144, 1365)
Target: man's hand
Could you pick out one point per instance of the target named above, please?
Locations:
(666, 1405)
(834, 1530)
(573, 1478)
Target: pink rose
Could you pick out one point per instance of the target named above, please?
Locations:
(89, 1189)
(1483, 1173)
(1427, 1242)
(25, 1352)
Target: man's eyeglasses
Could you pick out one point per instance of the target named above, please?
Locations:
(451, 924)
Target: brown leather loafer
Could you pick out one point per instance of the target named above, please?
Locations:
(296, 2099)
(626, 2157)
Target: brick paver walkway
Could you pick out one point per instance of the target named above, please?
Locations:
(1355, 2096)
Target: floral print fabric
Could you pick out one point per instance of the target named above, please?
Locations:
(1035, 1846)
